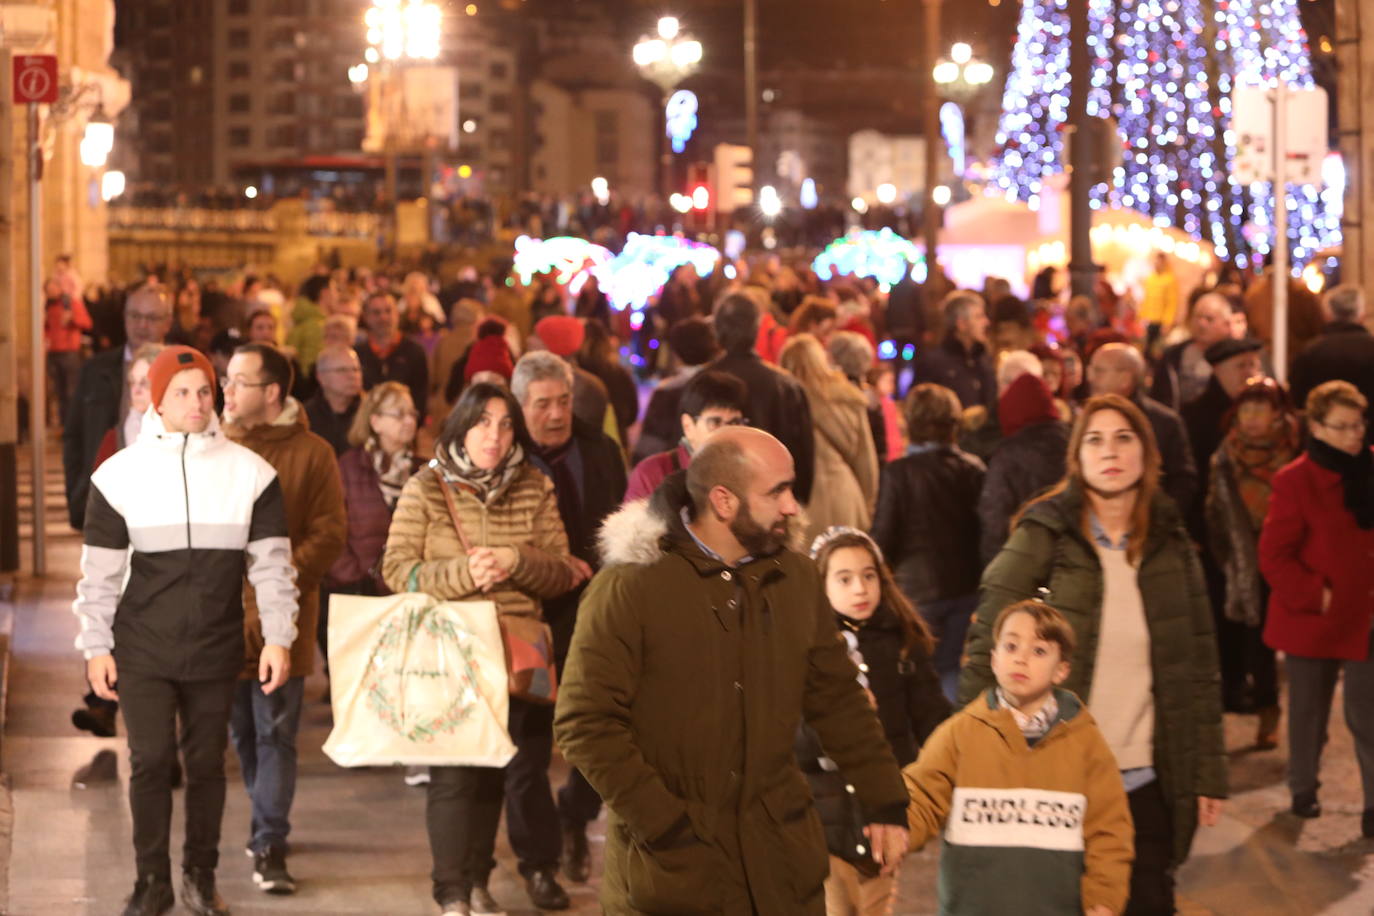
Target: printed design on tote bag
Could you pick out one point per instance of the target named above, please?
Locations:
(421, 678)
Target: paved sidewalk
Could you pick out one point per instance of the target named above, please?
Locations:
(359, 843)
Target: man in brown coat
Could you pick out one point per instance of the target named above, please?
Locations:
(260, 415)
(700, 647)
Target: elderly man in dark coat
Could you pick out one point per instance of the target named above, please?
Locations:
(702, 646)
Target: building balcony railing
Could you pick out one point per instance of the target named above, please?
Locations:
(328, 224)
(192, 219)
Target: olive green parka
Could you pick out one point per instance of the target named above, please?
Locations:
(683, 690)
(1050, 556)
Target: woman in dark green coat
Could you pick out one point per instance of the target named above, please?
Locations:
(1107, 548)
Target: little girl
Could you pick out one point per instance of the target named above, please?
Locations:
(895, 647)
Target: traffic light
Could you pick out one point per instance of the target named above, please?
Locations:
(699, 186)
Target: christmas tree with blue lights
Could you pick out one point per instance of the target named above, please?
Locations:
(1164, 70)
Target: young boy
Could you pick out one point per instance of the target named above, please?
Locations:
(1034, 814)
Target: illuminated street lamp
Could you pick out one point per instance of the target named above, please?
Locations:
(961, 73)
(666, 58)
(398, 32)
(957, 77)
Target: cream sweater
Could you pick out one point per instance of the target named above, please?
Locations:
(1122, 694)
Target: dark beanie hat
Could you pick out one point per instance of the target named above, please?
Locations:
(173, 360)
(1223, 350)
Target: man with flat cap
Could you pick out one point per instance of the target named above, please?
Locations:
(700, 647)
(1234, 363)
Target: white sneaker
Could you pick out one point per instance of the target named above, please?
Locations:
(417, 776)
(481, 903)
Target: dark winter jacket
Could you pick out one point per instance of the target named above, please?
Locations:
(598, 464)
(1049, 550)
(359, 565)
(199, 512)
(1345, 351)
(1203, 420)
(330, 426)
(407, 363)
(778, 405)
(1165, 386)
(1179, 469)
(927, 523)
(1029, 459)
(967, 374)
(910, 702)
(910, 706)
(93, 411)
(680, 702)
(1024, 465)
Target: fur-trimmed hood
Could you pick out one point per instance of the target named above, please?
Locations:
(638, 533)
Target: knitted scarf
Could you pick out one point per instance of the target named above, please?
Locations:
(458, 468)
(1256, 461)
(1032, 727)
(392, 471)
(1357, 477)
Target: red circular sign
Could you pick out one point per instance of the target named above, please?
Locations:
(35, 79)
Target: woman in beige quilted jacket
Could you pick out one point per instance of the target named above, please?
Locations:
(516, 555)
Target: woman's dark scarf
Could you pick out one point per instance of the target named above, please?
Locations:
(1357, 477)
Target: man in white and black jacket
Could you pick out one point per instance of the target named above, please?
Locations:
(198, 512)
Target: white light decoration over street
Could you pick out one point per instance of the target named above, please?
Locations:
(940, 194)
(250, 192)
(887, 193)
(859, 204)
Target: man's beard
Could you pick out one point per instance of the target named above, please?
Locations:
(755, 538)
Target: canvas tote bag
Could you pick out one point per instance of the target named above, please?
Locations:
(530, 667)
(416, 681)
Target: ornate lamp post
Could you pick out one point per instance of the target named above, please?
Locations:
(957, 77)
(666, 59)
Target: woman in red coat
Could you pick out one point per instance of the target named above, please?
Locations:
(1317, 554)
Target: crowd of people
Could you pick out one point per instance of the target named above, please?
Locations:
(809, 608)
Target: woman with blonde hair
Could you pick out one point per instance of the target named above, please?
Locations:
(846, 460)
(373, 471)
